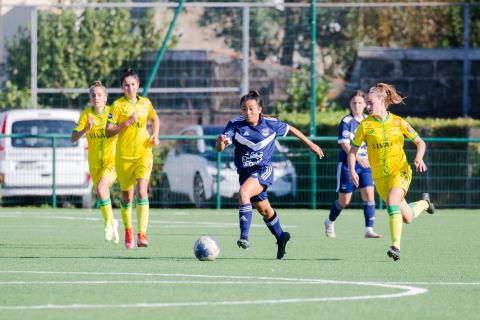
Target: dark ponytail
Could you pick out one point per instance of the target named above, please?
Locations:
(252, 95)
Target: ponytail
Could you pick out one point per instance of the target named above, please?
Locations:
(388, 92)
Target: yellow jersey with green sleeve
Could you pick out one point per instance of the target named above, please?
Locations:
(385, 140)
(101, 150)
(133, 141)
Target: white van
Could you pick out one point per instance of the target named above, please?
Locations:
(26, 160)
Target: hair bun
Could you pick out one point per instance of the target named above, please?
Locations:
(253, 93)
(97, 83)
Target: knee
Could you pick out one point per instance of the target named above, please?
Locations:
(102, 193)
(127, 198)
(243, 196)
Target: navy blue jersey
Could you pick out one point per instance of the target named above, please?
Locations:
(346, 133)
(254, 145)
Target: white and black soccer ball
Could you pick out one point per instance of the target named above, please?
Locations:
(206, 248)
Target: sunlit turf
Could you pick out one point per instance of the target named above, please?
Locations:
(54, 264)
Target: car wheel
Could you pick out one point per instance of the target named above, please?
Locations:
(165, 193)
(198, 191)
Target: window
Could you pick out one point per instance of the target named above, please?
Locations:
(41, 127)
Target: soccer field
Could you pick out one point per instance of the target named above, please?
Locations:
(55, 265)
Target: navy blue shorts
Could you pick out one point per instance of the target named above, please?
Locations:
(264, 176)
(343, 178)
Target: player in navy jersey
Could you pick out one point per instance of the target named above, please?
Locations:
(346, 133)
(253, 135)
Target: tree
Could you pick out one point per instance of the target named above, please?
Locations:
(279, 35)
(77, 46)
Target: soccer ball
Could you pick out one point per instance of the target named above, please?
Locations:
(206, 248)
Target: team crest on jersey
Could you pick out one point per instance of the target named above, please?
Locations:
(410, 129)
(265, 132)
(110, 116)
(245, 134)
(346, 134)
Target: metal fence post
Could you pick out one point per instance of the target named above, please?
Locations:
(54, 171)
(466, 58)
(245, 49)
(217, 189)
(313, 102)
(33, 57)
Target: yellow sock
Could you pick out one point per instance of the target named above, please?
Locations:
(418, 207)
(106, 210)
(127, 215)
(142, 209)
(396, 224)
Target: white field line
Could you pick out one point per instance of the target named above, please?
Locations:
(163, 223)
(405, 290)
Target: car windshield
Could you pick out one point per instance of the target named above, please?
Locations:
(40, 127)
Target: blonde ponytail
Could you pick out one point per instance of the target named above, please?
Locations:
(388, 92)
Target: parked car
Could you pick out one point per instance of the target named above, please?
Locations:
(26, 161)
(191, 169)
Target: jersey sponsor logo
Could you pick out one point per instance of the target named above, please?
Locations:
(252, 158)
(96, 135)
(135, 125)
(265, 132)
(382, 145)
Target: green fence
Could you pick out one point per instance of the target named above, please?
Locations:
(50, 170)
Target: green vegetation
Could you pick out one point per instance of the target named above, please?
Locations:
(75, 48)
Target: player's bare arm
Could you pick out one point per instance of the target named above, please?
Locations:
(363, 162)
(112, 130)
(420, 165)
(155, 129)
(351, 158)
(315, 148)
(77, 135)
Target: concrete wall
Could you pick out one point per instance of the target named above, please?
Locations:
(431, 79)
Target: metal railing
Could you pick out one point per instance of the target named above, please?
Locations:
(189, 173)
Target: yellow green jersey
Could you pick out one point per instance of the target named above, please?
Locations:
(133, 141)
(384, 141)
(101, 150)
